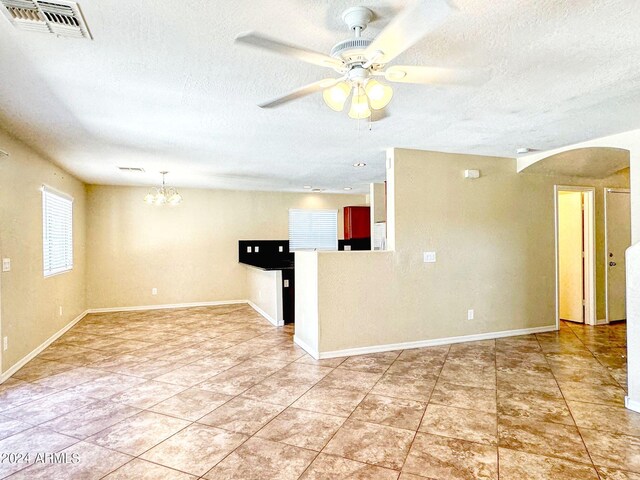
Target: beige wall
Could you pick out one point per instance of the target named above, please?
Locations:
(495, 244)
(264, 290)
(190, 252)
(29, 302)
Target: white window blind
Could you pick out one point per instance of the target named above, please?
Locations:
(57, 230)
(313, 229)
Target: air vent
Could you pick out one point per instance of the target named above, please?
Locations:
(61, 18)
(131, 169)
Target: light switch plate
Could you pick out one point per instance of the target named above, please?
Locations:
(281, 248)
(6, 264)
(286, 283)
(347, 248)
(256, 249)
(248, 249)
(429, 257)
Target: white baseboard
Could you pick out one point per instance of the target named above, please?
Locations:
(22, 362)
(632, 404)
(277, 323)
(165, 306)
(302, 344)
(428, 343)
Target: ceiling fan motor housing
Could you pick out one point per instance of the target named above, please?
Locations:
(351, 50)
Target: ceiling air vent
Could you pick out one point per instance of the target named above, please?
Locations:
(131, 169)
(60, 17)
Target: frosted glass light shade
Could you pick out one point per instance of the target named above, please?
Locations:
(359, 104)
(379, 95)
(336, 96)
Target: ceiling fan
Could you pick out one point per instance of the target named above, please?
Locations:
(361, 61)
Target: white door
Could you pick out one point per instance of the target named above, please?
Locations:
(618, 221)
(570, 255)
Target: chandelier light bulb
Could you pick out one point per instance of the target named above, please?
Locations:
(359, 104)
(379, 95)
(163, 195)
(336, 96)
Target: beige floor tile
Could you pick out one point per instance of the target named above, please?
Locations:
(373, 363)
(187, 376)
(534, 407)
(612, 474)
(414, 369)
(278, 390)
(409, 388)
(191, 404)
(80, 461)
(242, 415)
(106, 386)
(471, 425)
(443, 458)
(613, 450)
(370, 443)
(394, 412)
(427, 354)
(9, 426)
(91, 419)
(14, 393)
(260, 459)
(463, 374)
(525, 384)
(147, 394)
(70, 378)
(48, 408)
(138, 433)
(527, 466)
(38, 368)
(326, 467)
(608, 418)
(328, 362)
(196, 449)
(585, 392)
(138, 469)
(549, 439)
(462, 396)
(331, 401)
(301, 428)
(350, 380)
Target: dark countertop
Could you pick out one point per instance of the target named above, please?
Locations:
(273, 265)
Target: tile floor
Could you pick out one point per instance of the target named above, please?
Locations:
(218, 393)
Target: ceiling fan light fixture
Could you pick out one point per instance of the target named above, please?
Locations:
(359, 104)
(336, 96)
(379, 94)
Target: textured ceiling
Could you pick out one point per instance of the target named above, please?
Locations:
(163, 86)
(593, 162)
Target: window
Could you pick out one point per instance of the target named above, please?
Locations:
(313, 229)
(57, 231)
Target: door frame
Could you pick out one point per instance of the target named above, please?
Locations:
(589, 251)
(607, 191)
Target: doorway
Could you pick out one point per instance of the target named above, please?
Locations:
(575, 254)
(617, 224)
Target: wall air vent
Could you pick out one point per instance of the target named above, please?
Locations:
(60, 17)
(131, 169)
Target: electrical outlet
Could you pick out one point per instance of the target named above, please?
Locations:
(5, 343)
(60, 310)
(154, 291)
(256, 249)
(6, 264)
(281, 248)
(248, 249)
(286, 284)
(470, 314)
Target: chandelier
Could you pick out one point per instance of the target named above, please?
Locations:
(163, 195)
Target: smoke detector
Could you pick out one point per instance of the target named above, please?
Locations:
(59, 17)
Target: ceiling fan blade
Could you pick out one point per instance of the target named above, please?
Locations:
(409, 26)
(301, 92)
(435, 75)
(276, 46)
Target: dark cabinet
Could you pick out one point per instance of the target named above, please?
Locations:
(357, 222)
